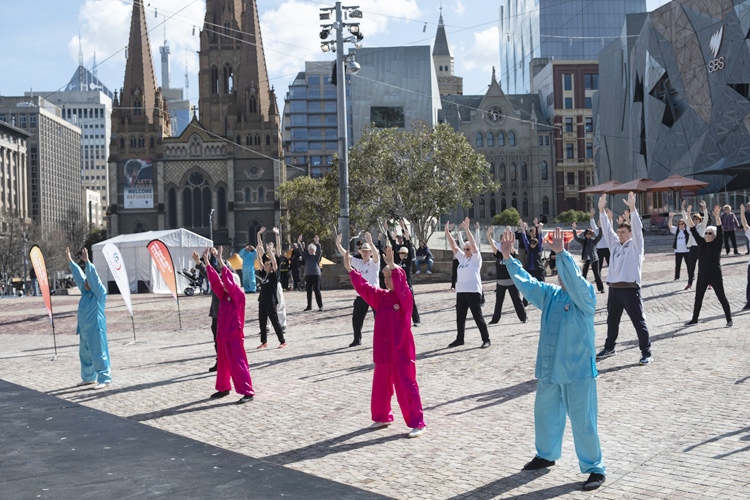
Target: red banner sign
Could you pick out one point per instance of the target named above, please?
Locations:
(163, 260)
(37, 260)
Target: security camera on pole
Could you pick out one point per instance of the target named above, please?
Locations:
(340, 76)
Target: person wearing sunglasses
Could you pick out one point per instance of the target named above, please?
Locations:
(709, 267)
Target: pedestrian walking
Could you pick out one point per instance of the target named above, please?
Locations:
(313, 275)
(624, 278)
(589, 254)
(367, 265)
(91, 326)
(504, 283)
(565, 367)
(230, 338)
(393, 350)
(709, 268)
(468, 286)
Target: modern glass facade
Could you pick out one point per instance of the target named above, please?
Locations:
(559, 29)
(310, 121)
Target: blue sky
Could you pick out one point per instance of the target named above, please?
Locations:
(289, 28)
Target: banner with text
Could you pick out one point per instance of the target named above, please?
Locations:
(117, 267)
(138, 191)
(163, 260)
(37, 261)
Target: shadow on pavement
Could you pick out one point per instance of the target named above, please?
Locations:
(330, 446)
(491, 398)
(179, 409)
(502, 485)
(90, 395)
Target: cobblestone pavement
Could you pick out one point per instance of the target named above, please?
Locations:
(678, 428)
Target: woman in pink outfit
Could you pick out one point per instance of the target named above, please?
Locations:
(393, 345)
(230, 342)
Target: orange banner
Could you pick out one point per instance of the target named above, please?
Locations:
(37, 260)
(163, 260)
(567, 237)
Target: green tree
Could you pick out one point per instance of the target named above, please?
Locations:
(419, 175)
(312, 206)
(508, 217)
(570, 216)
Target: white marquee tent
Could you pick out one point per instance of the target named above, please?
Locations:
(139, 264)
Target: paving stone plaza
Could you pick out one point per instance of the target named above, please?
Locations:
(678, 428)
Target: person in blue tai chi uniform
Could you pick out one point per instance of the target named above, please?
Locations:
(248, 255)
(92, 324)
(565, 363)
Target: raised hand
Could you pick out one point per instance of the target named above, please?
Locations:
(347, 261)
(299, 238)
(626, 214)
(507, 241)
(683, 204)
(689, 211)
(717, 214)
(275, 230)
(388, 257)
(85, 254)
(620, 219)
(467, 224)
(262, 230)
(67, 254)
(205, 256)
(593, 212)
(602, 203)
(536, 221)
(316, 239)
(630, 202)
(490, 231)
(476, 224)
(448, 226)
(574, 225)
(702, 204)
(338, 239)
(196, 257)
(557, 244)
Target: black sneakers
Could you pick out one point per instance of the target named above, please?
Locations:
(593, 482)
(456, 343)
(245, 399)
(485, 344)
(605, 353)
(538, 463)
(220, 394)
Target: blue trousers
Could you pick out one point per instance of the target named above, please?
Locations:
(94, 354)
(248, 278)
(578, 401)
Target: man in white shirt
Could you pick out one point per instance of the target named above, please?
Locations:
(468, 285)
(367, 265)
(624, 278)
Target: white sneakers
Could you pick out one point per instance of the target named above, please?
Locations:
(101, 385)
(378, 425)
(416, 432)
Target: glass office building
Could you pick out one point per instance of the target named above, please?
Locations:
(557, 29)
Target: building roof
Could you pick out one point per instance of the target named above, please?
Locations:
(14, 130)
(84, 80)
(441, 48)
(458, 108)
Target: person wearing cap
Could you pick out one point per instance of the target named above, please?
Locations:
(367, 266)
(91, 326)
(393, 349)
(565, 367)
(468, 286)
(404, 260)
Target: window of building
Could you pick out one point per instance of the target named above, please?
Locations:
(299, 147)
(525, 207)
(316, 133)
(332, 146)
(221, 196)
(315, 161)
(313, 80)
(571, 178)
(196, 201)
(545, 205)
(172, 208)
(331, 120)
(568, 124)
(316, 146)
(490, 140)
(569, 150)
(331, 133)
(546, 140)
(511, 139)
(387, 116)
(513, 171)
(591, 81)
(544, 171)
(541, 140)
(330, 106)
(571, 202)
(299, 107)
(300, 120)
(297, 92)
(589, 150)
(568, 81)
(313, 106)
(500, 139)
(316, 172)
(502, 171)
(589, 124)
(480, 141)
(568, 103)
(524, 172)
(589, 103)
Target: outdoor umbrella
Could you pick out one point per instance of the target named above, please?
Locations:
(637, 185)
(601, 188)
(678, 183)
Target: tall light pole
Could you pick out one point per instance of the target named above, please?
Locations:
(343, 128)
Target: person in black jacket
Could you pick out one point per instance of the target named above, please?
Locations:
(589, 254)
(294, 263)
(424, 256)
(504, 283)
(213, 311)
(709, 266)
(403, 259)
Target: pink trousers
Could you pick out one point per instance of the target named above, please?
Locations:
(404, 377)
(233, 361)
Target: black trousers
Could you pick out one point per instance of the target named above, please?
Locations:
(692, 260)
(465, 302)
(358, 316)
(454, 273)
(414, 310)
(500, 298)
(727, 236)
(214, 324)
(602, 253)
(597, 273)
(717, 282)
(266, 311)
(312, 282)
(295, 276)
(678, 258)
(284, 278)
(628, 299)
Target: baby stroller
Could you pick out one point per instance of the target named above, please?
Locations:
(195, 281)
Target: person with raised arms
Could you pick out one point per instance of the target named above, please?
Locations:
(367, 265)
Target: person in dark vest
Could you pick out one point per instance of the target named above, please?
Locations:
(709, 267)
(589, 254)
(294, 263)
(504, 283)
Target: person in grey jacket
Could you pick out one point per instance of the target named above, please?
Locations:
(213, 311)
(311, 260)
(589, 254)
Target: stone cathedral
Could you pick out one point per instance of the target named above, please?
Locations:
(221, 175)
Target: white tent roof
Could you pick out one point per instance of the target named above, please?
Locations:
(170, 237)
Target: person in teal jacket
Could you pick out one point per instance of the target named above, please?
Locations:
(565, 363)
(248, 256)
(92, 324)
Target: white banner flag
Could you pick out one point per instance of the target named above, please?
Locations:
(117, 267)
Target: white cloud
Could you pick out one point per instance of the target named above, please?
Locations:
(484, 53)
(458, 7)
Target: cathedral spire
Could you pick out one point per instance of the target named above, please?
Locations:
(253, 75)
(441, 48)
(139, 90)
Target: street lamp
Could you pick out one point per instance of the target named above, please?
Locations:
(211, 225)
(337, 46)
